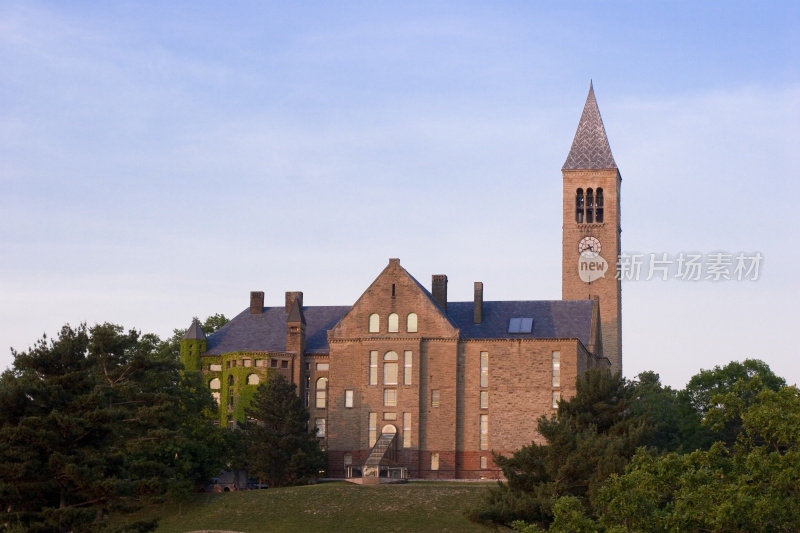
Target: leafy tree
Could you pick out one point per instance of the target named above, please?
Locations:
(752, 486)
(707, 389)
(92, 422)
(276, 444)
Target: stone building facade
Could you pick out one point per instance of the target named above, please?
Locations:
(405, 382)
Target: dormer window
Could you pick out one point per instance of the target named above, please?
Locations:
(520, 325)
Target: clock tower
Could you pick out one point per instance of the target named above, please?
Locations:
(591, 227)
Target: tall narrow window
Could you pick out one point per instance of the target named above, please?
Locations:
(599, 206)
(484, 462)
(484, 432)
(322, 392)
(434, 461)
(373, 367)
(579, 206)
(230, 381)
(407, 362)
(374, 323)
(320, 423)
(373, 429)
(556, 398)
(348, 398)
(393, 323)
(484, 399)
(589, 206)
(406, 430)
(435, 398)
(484, 369)
(411, 323)
(389, 397)
(556, 369)
(390, 368)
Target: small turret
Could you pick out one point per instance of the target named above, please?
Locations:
(193, 343)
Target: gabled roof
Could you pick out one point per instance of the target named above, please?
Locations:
(195, 332)
(590, 148)
(552, 319)
(267, 331)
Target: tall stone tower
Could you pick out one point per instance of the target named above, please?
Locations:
(591, 228)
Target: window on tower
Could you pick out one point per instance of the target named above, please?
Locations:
(589, 206)
(579, 206)
(599, 206)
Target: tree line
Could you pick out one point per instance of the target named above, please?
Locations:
(633, 455)
(99, 421)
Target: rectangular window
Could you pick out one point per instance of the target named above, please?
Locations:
(435, 398)
(390, 416)
(484, 399)
(434, 461)
(407, 367)
(406, 430)
(373, 367)
(484, 462)
(484, 432)
(215, 368)
(556, 398)
(348, 398)
(259, 363)
(284, 364)
(273, 363)
(320, 423)
(556, 369)
(373, 429)
(390, 373)
(322, 395)
(322, 367)
(484, 369)
(389, 397)
(247, 362)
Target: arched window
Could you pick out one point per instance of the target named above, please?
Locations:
(390, 368)
(579, 206)
(589, 206)
(252, 379)
(230, 381)
(322, 392)
(393, 323)
(214, 384)
(411, 323)
(599, 206)
(374, 323)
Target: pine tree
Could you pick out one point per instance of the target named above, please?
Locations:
(276, 443)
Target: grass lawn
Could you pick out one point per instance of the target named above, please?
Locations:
(328, 507)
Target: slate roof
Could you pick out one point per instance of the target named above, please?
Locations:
(552, 319)
(267, 331)
(590, 148)
(555, 319)
(195, 332)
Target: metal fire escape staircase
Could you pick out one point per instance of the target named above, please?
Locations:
(378, 452)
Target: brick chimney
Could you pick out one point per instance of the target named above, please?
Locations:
(291, 296)
(256, 302)
(439, 290)
(477, 312)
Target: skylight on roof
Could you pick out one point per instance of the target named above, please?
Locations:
(520, 325)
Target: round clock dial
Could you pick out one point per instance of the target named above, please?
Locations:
(589, 244)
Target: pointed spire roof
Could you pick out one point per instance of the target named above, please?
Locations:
(195, 332)
(590, 148)
(296, 313)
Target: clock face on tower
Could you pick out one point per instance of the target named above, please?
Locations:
(590, 245)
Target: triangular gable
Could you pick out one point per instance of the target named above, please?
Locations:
(394, 291)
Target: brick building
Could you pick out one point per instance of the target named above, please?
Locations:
(405, 382)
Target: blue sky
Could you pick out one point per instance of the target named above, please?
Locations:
(158, 161)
